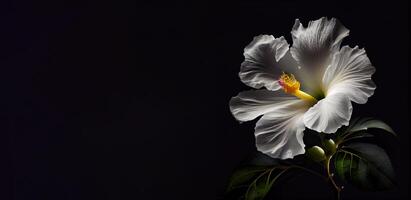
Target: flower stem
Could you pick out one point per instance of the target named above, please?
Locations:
(330, 176)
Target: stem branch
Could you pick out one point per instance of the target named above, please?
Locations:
(327, 166)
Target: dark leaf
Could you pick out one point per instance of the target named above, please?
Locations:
(243, 176)
(366, 166)
(255, 181)
(367, 123)
(358, 135)
(260, 187)
(358, 129)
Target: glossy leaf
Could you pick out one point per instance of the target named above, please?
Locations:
(260, 187)
(358, 135)
(256, 181)
(366, 166)
(367, 123)
(244, 175)
(359, 128)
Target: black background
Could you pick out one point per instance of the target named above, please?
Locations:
(126, 100)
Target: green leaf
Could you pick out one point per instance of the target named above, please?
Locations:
(260, 187)
(358, 135)
(359, 128)
(244, 175)
(255, 180)
(367, 123)
(366, 166)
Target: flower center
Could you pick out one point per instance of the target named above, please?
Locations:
(292, 86)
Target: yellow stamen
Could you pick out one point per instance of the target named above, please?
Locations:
(292, 86)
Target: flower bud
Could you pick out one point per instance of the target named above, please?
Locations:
(316, 153)
(329, 146)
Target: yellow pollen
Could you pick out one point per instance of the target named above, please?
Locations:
(292, 86)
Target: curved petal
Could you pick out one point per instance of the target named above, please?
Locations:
(279, 133)
(250, 104)
(312, 46)
(350, 73)
(329, 114)
(261, 67)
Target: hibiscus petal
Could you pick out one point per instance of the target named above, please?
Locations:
(279, 133)
(329, 114)
(312, 46)
(350, 73)
(250, 104)
(261, 67)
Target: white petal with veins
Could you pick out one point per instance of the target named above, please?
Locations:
(314, 45)
(329, 114)
(250, 104)
(350, 73)
(279, 133)
(261, 67)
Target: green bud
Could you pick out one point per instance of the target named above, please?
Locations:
(329, 146)
(316, 153)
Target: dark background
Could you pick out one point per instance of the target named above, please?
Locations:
(126, 100)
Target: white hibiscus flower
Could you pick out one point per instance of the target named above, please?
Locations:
(308, 85)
